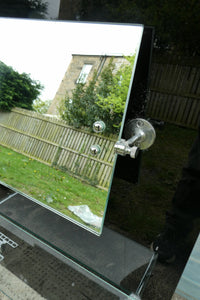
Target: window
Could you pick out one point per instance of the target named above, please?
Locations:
(84, 73)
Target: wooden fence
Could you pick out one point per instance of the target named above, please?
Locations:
(52, 142)
(175, 90)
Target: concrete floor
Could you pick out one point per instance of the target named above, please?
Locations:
(11, 287)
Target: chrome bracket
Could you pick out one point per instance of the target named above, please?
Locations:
(6, 240)
(122, 147)
(139, 134)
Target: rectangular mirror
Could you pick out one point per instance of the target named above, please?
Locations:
(56, 80)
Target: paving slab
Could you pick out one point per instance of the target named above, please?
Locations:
(11, 287)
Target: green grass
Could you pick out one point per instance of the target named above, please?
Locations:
(51, 186)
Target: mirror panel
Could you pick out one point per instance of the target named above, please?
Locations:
(57, 159)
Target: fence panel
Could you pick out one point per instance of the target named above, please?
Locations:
(175, 90)
(52, 142)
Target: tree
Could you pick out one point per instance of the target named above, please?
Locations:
(112, 93)
(80, 109)
(103, 98)
(17, 89)
(23, 8)
(41, 106)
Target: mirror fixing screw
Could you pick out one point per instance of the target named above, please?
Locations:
(99, 126)
(95, 150)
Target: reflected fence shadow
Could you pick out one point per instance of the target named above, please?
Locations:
(56, 144)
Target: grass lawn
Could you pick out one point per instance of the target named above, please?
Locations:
(53, 187)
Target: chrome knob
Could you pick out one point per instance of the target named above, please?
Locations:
(99, 126)
(95, 150)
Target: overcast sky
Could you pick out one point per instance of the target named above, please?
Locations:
(43, 48)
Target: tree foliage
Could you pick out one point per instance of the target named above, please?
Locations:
(114, 99)
(23, 8)
(41, 106)
(17, 90)
(176, 23)
(103, 98)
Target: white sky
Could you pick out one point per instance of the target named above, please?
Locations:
(43, 48)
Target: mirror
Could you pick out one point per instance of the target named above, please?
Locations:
(85, 70)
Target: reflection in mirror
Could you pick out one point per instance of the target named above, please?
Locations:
(57, 79)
